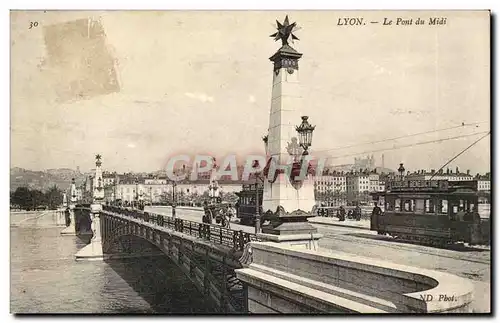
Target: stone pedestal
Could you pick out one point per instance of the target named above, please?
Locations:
(304, 241)
(71, 229)
(93, 251)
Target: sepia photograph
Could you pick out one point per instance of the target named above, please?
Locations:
(250, 162)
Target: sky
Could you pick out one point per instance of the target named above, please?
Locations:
(139, 87)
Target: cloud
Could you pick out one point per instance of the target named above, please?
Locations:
(251, 99)
(200, 97)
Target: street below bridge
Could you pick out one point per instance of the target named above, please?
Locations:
(467, 262)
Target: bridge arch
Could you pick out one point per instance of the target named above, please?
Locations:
(217, 285)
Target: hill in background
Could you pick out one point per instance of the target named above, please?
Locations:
(42, 180)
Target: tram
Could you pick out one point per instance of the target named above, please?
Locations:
(435, 212)
(246, 207)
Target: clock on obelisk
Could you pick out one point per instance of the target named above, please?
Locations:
(287, 203)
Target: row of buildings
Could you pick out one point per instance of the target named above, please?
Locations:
(355, 185)
(153, 188)
(331, 186)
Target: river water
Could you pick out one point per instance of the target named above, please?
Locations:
(45, 278)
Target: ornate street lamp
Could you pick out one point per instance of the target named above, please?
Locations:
(401, 170)
(305, 131)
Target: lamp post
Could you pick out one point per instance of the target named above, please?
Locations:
(258, 176)
(136, 196)
(174, 203)
(115, 188)
(91, 178)
(305, 131)
(114, 192)
(211, 192)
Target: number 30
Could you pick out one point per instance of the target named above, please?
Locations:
(33, 24)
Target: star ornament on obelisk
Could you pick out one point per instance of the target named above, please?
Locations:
(285, 31)
(286, 57)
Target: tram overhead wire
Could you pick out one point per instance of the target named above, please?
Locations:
(404, 136)
(410, 145)
(475, 142)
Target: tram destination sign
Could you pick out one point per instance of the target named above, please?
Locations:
(417, 185)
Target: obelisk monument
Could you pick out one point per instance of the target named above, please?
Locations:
(286, 202)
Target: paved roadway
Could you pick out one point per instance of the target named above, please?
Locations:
(466, 262)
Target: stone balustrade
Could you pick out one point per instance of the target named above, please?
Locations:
(285, 279)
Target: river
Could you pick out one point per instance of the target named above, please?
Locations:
(45, 278)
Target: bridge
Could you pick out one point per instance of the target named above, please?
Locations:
(239, 272)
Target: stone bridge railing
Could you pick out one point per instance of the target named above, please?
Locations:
(216, 234)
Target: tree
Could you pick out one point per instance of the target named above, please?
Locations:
(27, 199)
(37, 198)
(53, 197)
(166, 197)
(21, 197)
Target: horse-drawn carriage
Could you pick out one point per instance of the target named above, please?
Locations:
(220, 212)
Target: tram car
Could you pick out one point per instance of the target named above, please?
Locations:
(246, 207)
(435, 212)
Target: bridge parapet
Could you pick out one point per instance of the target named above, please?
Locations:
(234, 239)
(284, 279)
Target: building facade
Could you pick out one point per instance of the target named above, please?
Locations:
(483, 183)
(330, 184)
(347, 186)
(79, 194)
(448, 175)
(358, 183)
